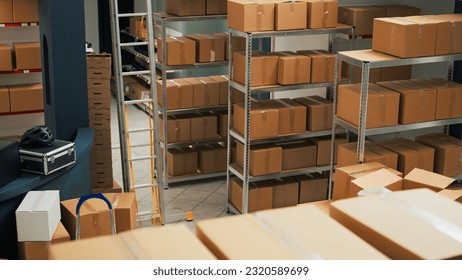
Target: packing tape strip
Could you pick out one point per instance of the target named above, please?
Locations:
(421, 105)
(206, 92)
(177, 131)
(453, 102)
(297, 70)
(260, 13)
(452, 34)
(204, 126)
(115, 200)
(291, 114)
(325, 13)
(444, 226)
(285, 237)
(182, 52)
(212, 48)
(267, 161)
(382, 109)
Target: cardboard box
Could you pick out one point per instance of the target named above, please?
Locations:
(354, 73)
(448, 152)
(38, 216)
(322, 65)
(6, 11)
(444, 37)
(99, 114)
(125, 210)
(410, 154)
(453, 192)
(182, 161)
(417, 102)
(99, 73)
(185, 7)
(102, 60)
(361, 17)
(404, 38)
(27, 55)
(25, 11)
(203, 126)
(178, 128)
(212, 158)
(419, 178)
(38, 250)
(211, 91)
(6, 62)
(313, 187)
(448, 97)
(290, 15)
(321, 13)
(246, 237)
(263, 159)
(99, 93)
(157, 243)
(292, 116)
(180, 94)
(375, 182)
(198, 92)
(238, 43)
(209, 48)
(223, 83)
(180, 51)
(323, 144)
(382, 105)
(94, 218)
(222, 123)
(216, 7)
(259, 198)
(285, 191)
(263, 122)
(139, 91)
(293, 68)
(344, 176)
(106, 85)
(26, 97)
(250, 16)
(138, 27)
(4, 100)
(372, 152)
(400, 10)
(396, 73)
(264, 68)
(319, 112)
(393, 73)
(454, 45)
(298, 155)
(396, 237)
(99, 104)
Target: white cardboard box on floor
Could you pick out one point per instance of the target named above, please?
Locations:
(38, 216)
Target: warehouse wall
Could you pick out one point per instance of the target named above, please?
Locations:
(91, 23)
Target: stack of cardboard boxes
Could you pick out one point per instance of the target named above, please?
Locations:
(99, 109)
(196, 7)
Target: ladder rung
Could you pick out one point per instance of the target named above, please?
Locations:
(132, 15)
(134, 73)
(140, 130)
(139, 101)
(134, 146)
(142, 158)
(134, 44)
(143, 186)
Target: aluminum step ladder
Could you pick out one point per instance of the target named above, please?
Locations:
(129, 170)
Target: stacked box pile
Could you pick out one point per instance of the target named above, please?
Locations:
(99, 109)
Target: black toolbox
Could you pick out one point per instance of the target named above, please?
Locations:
(48, 159)
(9, 161)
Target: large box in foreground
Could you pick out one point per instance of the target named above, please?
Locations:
(414, 224)
(298, 232)
(166, 243)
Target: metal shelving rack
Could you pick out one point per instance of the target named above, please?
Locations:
(162, 19)
(380, 60)
(243, 173)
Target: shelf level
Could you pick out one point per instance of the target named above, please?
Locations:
(20, 24)
(340, 28)
(237, 171)
(173, 18)
(308, 134)
(378, 59)
(194, 110)
(22, 71)
(274, 88)
(192, 66)
(136, 53)
(193, 142)
(399, 128)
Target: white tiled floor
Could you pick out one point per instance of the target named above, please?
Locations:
(205, 198)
